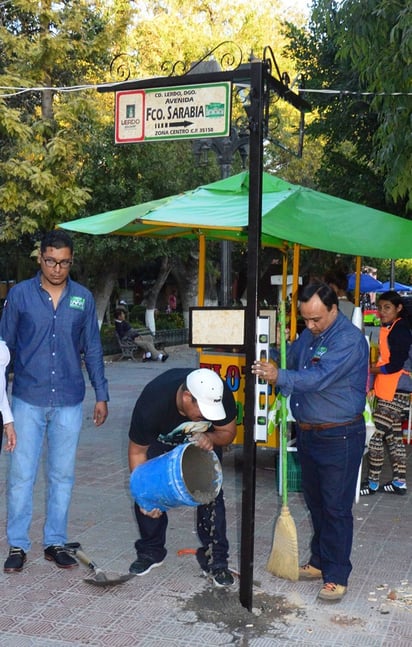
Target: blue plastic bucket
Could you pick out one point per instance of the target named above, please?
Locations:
(187, 475)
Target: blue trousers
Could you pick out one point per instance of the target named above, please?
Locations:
(330, 461)
(60, 428)
(211, 528)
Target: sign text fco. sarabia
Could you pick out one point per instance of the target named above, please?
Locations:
(182, 112)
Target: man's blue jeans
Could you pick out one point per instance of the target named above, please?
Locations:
(60, 426)
(330, 461)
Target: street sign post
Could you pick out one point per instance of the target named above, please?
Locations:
(177, 112)
(204, 111)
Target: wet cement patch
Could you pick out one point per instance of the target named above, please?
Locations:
(222, 608)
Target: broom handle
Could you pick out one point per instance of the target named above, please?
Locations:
(283, 407)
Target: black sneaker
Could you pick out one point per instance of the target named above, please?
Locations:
(221, 577)
(165, 356)
(15, 561)
(60, 556)
(366, 490)
(143, 565)
(394, 489)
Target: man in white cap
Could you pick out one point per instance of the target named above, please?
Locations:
(178, 406)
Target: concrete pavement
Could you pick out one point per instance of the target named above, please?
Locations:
(174, 605)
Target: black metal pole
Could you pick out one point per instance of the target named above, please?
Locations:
(254, 244)
(226, 246)
(392, 276)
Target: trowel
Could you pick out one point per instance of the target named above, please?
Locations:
(98, 577)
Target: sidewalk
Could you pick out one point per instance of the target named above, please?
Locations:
(174, 605)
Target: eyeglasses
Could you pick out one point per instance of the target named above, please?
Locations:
(51, 262)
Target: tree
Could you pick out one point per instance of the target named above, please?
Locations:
(377, 43)
(48, 45)
(170, 31)
(365, 157)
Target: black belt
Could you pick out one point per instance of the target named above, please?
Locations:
(307, 426)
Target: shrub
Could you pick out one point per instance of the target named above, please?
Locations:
(109, 341)
(137, 314)
(165, 321)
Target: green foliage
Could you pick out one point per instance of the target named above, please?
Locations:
(185, 30)
(43, 132)
(170, 321)
(108, 339)
(378, 44)
(361, 47)
(403, 270)
(137, 314)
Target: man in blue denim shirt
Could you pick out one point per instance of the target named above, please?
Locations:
(49, 323)
(326, 379)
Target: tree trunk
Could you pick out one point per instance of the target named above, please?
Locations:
(211, 291)
(151, 297)
(47, 105)
(186, 274)
(102, 293)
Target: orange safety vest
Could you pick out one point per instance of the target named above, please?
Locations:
(386, 383)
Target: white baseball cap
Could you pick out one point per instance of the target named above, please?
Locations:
(206, 386)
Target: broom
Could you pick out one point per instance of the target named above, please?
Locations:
(283, 559)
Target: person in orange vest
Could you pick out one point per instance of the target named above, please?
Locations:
(393, 387)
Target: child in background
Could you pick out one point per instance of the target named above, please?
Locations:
(392, 386)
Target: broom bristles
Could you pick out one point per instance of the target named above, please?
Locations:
(284, 558)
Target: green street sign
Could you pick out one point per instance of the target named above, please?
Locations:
(180, 112)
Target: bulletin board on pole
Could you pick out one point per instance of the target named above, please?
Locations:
(218, 334)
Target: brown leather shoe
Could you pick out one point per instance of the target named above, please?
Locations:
(15, 561)
(60, 556)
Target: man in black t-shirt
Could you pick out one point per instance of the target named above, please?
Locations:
(159, 423)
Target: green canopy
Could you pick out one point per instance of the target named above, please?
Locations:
(290, 214)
